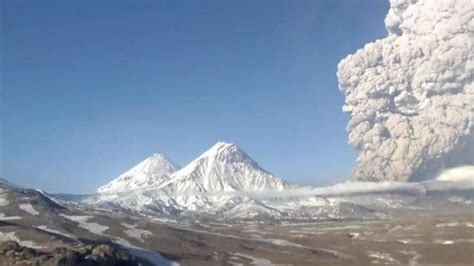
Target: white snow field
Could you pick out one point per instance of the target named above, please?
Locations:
(28, 208)
(92, 227)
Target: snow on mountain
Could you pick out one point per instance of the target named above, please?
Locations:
(225, 183)
(252, 209)
(214, 182)
(152, 172)
(223, 168)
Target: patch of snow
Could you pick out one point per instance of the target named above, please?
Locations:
(405, 241)
(10, 236)
(46, 229)
(134, 232)
(161, 220)
(210, 233)
(410, 241)
(3, 201)
(8, 218)
(337, 253)
(281, 242)
(92, 227)
(255, 260)
(121, 241)
(354, 235)
(461, 200)
(153, 257)
(395, 228)
(28, 208)
(443, 242)
(382, 256)
(340, 227)
(453, 224)
(415, 256)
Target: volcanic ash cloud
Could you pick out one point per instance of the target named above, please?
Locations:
(411, 94)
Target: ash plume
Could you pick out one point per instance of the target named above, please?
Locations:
(411, 94)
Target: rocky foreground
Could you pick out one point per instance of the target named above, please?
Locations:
(12, 253)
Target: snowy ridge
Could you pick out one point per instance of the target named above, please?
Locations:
(223, 168)
(214, 182)
(152, 172)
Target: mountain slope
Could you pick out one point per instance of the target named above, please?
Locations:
(8, 183)
(223, 168)
(214, 182)
(40, 231)
(152, 172)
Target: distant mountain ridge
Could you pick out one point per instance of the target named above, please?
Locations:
(216, 181)
(222, 168)
(8, 183)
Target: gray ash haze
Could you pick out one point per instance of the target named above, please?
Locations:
(411, 94)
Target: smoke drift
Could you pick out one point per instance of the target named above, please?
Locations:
(411, 94)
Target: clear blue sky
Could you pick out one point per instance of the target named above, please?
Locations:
(90, 88)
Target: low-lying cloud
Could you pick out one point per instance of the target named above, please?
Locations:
(458, 178)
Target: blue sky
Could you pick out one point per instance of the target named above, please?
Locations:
(91, 88)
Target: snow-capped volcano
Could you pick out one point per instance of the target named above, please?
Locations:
(215, 181)
(223, 168)
(152, 172)
(225, 183)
